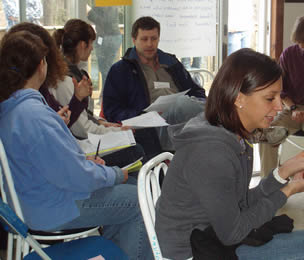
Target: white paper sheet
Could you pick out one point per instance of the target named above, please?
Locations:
(150, 119)
(109, 142)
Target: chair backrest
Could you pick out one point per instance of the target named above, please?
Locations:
(202, 76)
(290, 147)
(149, 190)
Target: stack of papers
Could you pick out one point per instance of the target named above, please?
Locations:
(109, 142)
(150, 119)
(162, 103)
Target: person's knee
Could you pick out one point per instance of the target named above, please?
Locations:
(186, 108)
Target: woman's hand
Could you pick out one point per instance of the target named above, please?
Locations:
(126, 128)
(298, 116)
(98, 160)
(82, 89)
(108, 124)
(292, 166)
(65, 114)
(126, 176)
(295, 185)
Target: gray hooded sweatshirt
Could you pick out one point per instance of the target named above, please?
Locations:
(207, 183)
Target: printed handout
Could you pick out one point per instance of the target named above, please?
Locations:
(109, 142)
(150, 119)
(162, 103)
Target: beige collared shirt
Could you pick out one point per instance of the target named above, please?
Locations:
(159, 82)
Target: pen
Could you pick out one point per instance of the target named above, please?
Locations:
(97, 150)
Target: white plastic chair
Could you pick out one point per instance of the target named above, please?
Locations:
(205, 76)
(5, 175)
(80, 249)
(148, 192)
(290, 147)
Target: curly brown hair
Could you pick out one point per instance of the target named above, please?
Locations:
(20, 54)
(57, 67)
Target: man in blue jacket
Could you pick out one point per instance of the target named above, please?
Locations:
(145, 73)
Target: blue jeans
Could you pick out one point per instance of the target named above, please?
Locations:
(181, 111)
(238, 40)
(282, 247)
(117, 210)
(106, 54)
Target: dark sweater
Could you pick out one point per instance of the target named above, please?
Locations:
(75, 106)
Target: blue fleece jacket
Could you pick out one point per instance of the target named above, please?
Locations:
(48, 167)
(126, 92)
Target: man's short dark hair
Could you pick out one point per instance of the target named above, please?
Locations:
(144, 23)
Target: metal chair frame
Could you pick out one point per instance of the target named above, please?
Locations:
(5, 174)
(83, 248)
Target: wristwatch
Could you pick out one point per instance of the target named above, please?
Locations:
(293, 107)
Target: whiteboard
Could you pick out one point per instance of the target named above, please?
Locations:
(188, 27)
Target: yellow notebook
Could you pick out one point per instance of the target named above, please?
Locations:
(133, 167)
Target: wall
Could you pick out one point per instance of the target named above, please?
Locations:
(291, 11)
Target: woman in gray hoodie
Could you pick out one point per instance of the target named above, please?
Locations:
(207, 184)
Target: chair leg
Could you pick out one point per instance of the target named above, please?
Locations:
(100, 230)
(10, 244)
(19, 245)
(26, 248)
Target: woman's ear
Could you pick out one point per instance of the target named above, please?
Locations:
(80, 46)
(41, 65)
(239, 102)
(84, 44)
